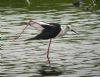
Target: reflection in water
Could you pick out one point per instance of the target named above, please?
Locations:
(76, 55)
(50, 71)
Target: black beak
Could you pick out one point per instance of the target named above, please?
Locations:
(74, 31)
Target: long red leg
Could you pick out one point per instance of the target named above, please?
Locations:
(21, 33)
(27, 24)
(48, 52)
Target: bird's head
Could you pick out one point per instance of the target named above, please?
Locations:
(69, 28)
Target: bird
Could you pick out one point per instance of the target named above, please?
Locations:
(47, 31)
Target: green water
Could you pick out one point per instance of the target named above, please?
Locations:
(76, 55)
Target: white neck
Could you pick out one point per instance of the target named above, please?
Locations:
(64, 30)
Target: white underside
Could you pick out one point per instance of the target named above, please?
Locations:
(38, 24)
(63, 31)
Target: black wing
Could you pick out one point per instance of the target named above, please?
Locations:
(48, 32)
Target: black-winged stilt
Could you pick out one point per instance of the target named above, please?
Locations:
(48, 31)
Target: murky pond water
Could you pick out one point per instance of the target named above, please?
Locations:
(76, 55)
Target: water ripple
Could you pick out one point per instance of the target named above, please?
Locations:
(77, 55)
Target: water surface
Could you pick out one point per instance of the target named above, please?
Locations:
(76, 55)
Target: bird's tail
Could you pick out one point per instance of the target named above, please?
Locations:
(30, 39)
(33, 38)
(36, 38)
